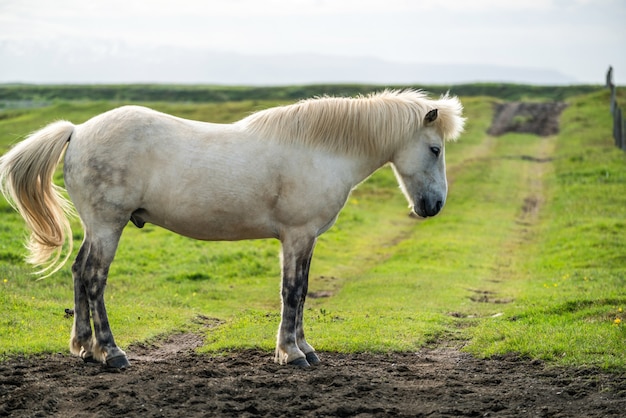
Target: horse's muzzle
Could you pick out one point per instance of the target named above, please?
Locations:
(426, 208)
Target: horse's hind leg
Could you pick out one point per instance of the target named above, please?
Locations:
(90, 271)
(81, 339)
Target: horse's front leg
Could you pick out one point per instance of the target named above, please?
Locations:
(291, 347)
(305, 347)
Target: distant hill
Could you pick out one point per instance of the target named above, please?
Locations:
(117, 62)
(29, 95)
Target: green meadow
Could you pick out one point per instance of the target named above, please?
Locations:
(528, 256)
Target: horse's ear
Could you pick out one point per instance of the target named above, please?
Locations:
(430, 117)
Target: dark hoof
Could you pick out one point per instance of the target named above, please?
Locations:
(312, 358)
(119, 362)
(299, 362)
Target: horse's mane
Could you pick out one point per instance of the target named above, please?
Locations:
(367, 125)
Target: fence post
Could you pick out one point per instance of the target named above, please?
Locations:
(623, 134)
(613, 100)
(617, 128)
(619, 131)
(619, 125)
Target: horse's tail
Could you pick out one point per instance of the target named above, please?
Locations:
(26, 173)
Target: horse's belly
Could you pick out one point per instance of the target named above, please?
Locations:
(210, 228)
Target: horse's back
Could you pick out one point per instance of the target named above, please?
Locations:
(136, 138)
(138, 123)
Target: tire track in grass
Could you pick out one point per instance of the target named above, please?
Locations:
(532, 157)
(534, 171)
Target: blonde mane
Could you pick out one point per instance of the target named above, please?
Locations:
(366, 125)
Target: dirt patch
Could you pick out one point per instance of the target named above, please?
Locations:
(531, 206)
(168, 379)
(486, 296)
(526, 117)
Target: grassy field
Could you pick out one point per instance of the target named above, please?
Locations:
(528, 256)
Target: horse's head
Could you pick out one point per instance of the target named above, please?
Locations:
(420, 168)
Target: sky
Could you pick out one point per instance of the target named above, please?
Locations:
(577, 38)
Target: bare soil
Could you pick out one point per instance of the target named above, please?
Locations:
(527, 117)
(168, 379)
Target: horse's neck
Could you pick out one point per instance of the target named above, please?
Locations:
(355, 169)
(368, 167)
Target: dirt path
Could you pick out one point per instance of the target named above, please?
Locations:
(539, 118)
(169, 380)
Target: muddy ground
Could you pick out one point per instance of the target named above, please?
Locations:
(527, 117)
(168, 379)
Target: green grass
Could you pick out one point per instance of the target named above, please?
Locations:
(527, 257)
(571, 274)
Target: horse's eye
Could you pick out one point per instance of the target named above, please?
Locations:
(435, 150)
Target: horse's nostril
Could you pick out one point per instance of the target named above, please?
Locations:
(423, 207)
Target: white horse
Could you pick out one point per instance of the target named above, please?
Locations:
(282, 173)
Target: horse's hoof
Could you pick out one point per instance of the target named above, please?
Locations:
(312, 358)
(118, 362)
(299, 362)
